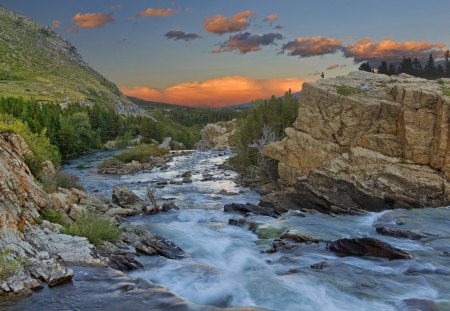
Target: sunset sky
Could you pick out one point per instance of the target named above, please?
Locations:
(223, 52)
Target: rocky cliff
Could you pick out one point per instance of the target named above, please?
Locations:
(216, 135)
(368, 141)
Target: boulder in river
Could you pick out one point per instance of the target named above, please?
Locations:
(126, 198)
(250, 209)
(399, 233)
(415, 304)
(367, 247)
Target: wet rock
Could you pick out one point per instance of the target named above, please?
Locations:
(367, 247)
(187, 180)
(250, 209)
(168, 206)
(161, 184)
(118, 258)
(242, 222)
(149, 244)
(398, 233)
(298, 237)
(126, 198)
(283, 246)
(176, 182)
(320, 266)
(228, 193)
(417, 305)
(60, 275)
(186, 174)
(121, 212)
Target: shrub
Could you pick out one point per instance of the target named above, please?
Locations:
(347, 90)
(7, 76)
(39, 144)
(52, 215)
(94, 227)
(51, 183)
(141, 153)
(10, 264)
(113, 162)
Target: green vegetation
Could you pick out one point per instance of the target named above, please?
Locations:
(39, 144)
(53, 215)
(274, 115)
(64, 180)
(95, 228)
(347, 90)
(268, 232)
(446, 90)
(140, 153)
(37, 63)
(10, 264)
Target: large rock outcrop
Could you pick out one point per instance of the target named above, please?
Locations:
(216, 135)
(384, 145)
(21, 197)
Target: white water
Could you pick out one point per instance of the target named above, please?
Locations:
(227, 266)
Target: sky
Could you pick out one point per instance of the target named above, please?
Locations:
(214, 53)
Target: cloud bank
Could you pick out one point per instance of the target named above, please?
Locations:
(218, 92)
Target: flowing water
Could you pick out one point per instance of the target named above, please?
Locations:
(228, 265)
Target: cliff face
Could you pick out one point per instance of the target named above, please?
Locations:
(21, 198)
(216, 135)
(384, 145)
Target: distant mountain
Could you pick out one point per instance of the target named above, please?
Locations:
(35, 62)
(145, 104)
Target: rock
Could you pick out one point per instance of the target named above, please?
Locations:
(298, 237)
(118, 258)
(176, 182)
(320, 266)
(228, 193)
(250, 209)
(398, 233)
(149, 244)
(48, 169)
(166, 143)
(186, 174)
(417, 305)
(76, 211)
(367, 151)
(216, 136)
(367, 247)
(243, 222)
(175, 145)
(121, 212)
(126, 198)
(168, 206)
(21, 198)
(187, 180)
(59, 276)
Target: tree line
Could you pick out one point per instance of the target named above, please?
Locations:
(414, 67)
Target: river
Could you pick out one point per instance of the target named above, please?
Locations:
(228, 265)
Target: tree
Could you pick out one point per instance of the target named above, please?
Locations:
(417, 67)
(447, 64)
(430, 70)
(365, 67)
(392, 70)
(406, 66)
(383, 69)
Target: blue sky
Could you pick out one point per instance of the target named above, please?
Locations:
(135, 53)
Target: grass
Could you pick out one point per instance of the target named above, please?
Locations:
(93, 227)
(141, 153)
(53, 215)
(64, 180)
(347, 90)
(113, 162)
(10, 264)
(446, 90)
(7, 76)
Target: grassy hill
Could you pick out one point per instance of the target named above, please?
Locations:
(35, 62)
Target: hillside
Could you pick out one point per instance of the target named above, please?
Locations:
(35, 62)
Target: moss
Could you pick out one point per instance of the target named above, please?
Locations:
(266, 232)
(52, 215)
(345, 90)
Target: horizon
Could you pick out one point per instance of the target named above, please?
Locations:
(198, 54)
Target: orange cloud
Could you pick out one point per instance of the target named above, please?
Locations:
(92, 20)
(156, 12)
(220, 24)
(334, 66)
(56, 24)
(367, 49)
(218, 92)
(271, 18)
(312, 46)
